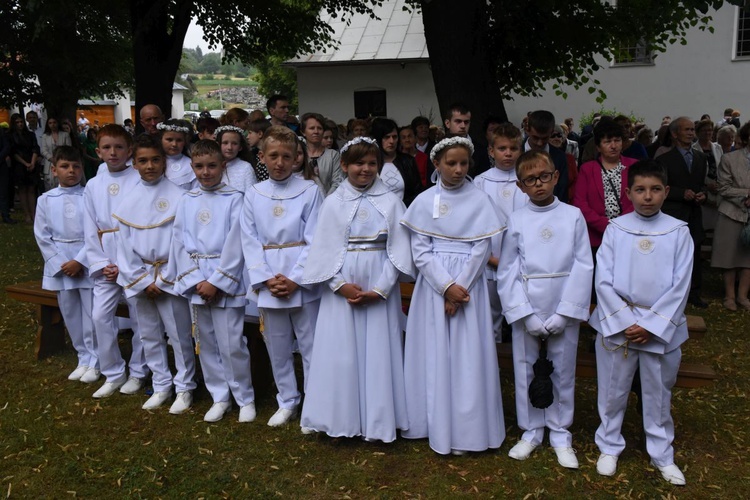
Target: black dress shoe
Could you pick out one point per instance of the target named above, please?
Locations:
(698, 302)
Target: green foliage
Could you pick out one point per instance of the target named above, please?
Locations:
(58, 52)
(531, 43)
(588, 118)
(274, 78)
(211, 63)
(208, 76)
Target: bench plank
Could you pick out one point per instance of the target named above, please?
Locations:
(690, 375)
(50, 335)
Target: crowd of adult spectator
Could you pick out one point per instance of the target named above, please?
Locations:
(707, 163)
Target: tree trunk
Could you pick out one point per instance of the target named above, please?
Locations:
(461, 69)
(59, 102)
(157, 50)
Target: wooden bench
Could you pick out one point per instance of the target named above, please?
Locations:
(50, 337)
(691, 375)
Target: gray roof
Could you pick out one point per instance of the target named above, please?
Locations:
(396, 35)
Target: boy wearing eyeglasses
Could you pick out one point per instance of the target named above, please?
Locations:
(544, 282)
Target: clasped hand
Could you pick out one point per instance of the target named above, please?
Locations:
(455, 296)
(281, 287)
(355, 296)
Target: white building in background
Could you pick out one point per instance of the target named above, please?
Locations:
(381, 68)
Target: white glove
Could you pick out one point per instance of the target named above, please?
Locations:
(556, 324)
(534, 326)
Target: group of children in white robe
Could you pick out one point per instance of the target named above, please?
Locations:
(327, 272)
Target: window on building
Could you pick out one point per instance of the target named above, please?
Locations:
(369, 103)
(633, 53)
(743, 32)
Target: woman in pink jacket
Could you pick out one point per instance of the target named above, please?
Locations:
(600, 190)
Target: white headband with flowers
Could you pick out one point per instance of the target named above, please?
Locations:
(172, 128)
(358, 140)
(450, 142)
(229, 128)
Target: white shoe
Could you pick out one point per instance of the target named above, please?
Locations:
(307, 430)
(606, 465)
(672, 474)
(132, 386)
(78, 373)
(157, 399)
(522, 450)
(566, 457)
(91, 376)
(108, 389)
(281, 417)
(182, 403)
(458, 453)
(247, 413)
(217, 411)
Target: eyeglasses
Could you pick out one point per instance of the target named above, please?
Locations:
(556, 136)
(531, 181)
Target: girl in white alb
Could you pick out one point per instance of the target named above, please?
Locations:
(359, 253)
(239, 173)
(452, 377)
(175, 137)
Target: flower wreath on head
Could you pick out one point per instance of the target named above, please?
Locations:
(452, 141)
(357, 140)
(164, 127)
(229, 128)
(302, 139)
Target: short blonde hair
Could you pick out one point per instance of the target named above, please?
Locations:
(281, 134)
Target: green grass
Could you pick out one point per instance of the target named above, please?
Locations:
(57, 442)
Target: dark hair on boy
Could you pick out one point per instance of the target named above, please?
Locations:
(508, 131)
(542, 121)
(207, 147)
(116, 132)
(419, 120)
(646, 168)
(382, 127)
(147, 141)
(607, 129)
(66, 153)
(207, 125)
(274, 99)
(456, 107)
(490, 120)
(258, 126)
(532, 158)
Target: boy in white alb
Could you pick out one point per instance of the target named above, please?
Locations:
(544, 282)
(145, 237)
(102, 197)
(58, 230)
(642, 283)
(500, 183)
(278, 224)
(206, 260)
